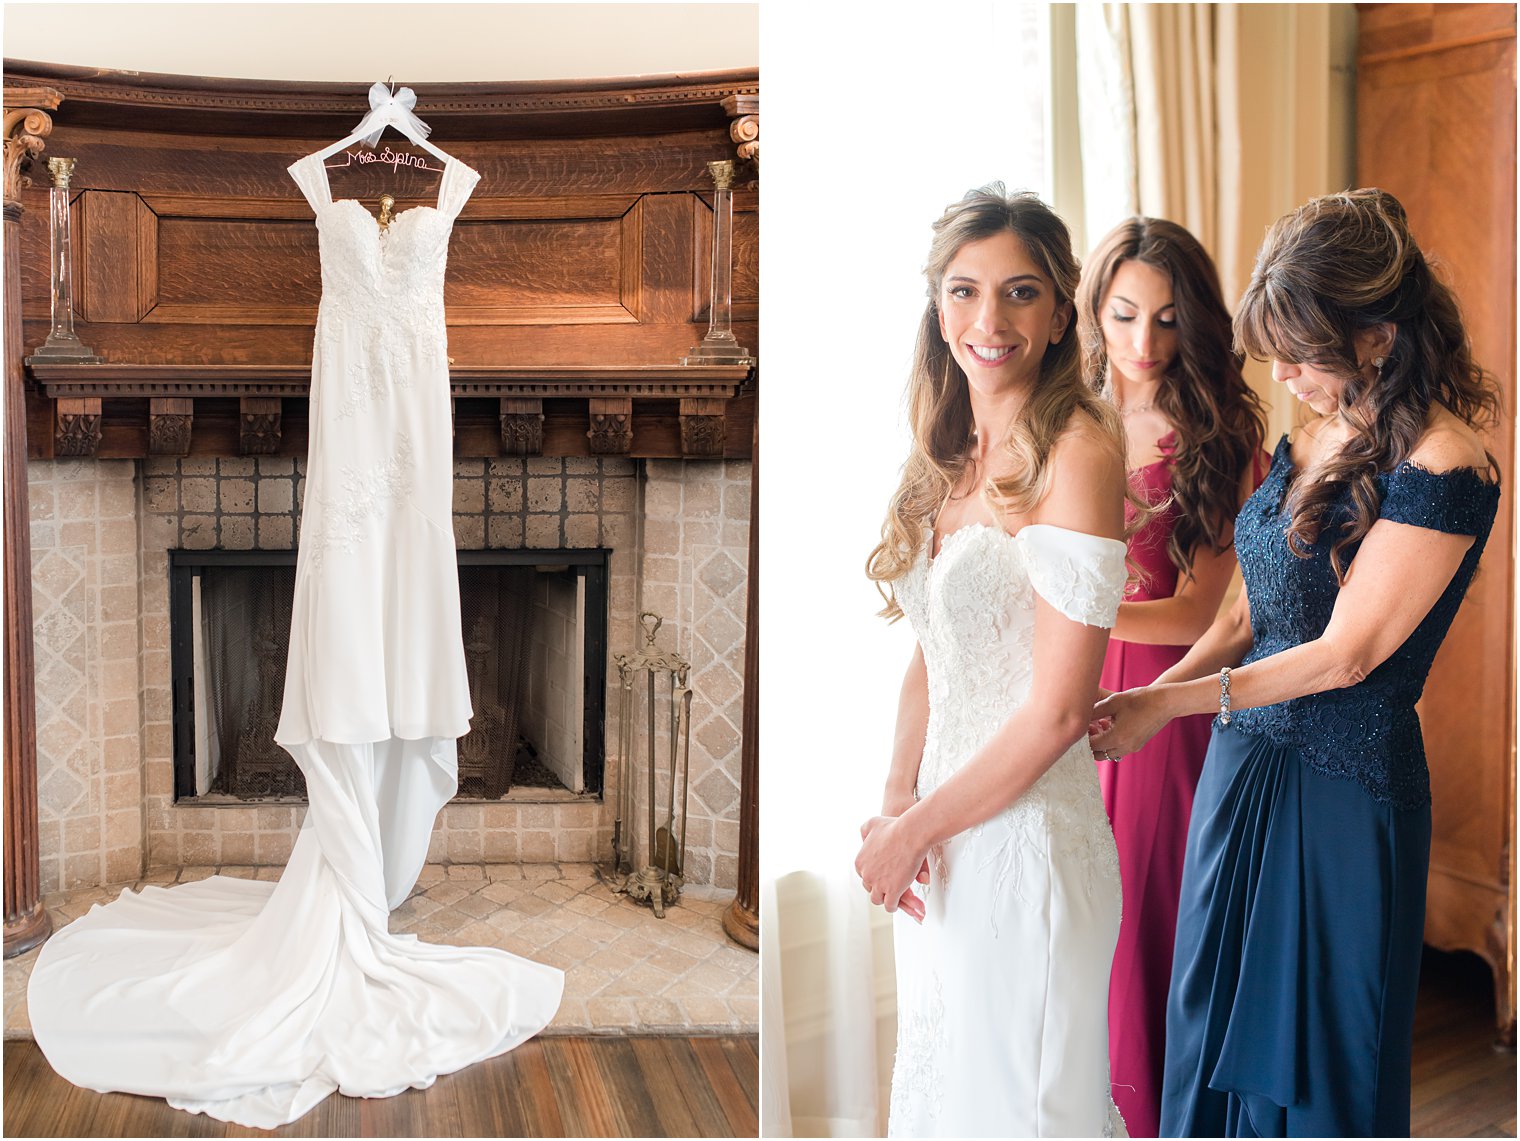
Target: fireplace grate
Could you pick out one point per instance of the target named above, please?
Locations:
(535, 656)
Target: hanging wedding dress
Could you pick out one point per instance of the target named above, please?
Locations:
(252, 1001)
(1002, 993)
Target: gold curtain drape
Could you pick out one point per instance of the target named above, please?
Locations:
(1228, 115)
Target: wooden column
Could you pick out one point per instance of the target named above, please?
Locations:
(27, 124)
(742, 919)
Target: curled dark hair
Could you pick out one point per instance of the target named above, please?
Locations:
(1220, 421)
(1334, 267)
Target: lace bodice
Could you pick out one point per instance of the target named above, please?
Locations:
(1370, 731)
(972, 608)
(372, 271)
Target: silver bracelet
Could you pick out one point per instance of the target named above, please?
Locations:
(1224, 695)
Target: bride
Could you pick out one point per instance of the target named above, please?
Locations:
(1002, 547)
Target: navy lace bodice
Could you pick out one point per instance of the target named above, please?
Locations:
(1368, 732)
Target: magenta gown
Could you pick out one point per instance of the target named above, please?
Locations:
(1149, 797)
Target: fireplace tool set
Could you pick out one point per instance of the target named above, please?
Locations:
(647, 863)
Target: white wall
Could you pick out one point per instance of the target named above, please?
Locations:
(900, 116)
(415, 43)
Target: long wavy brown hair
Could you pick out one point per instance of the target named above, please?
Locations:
(1336, 266)
(1220, 421)
(939, 405)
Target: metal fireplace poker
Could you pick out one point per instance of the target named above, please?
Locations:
(658, 852)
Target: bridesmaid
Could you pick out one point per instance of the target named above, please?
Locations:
(1303, 893)
(1156, 341)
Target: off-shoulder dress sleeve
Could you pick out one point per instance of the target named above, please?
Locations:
(1458, 502)
(1081, 575)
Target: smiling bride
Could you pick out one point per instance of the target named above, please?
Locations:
(1002, 547)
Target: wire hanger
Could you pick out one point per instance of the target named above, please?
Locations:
(388, 108)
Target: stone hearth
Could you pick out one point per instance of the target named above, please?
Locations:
(677, 532)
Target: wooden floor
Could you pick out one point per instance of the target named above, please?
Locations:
(1463, 1086)
(549, 1087)
(708, 1087)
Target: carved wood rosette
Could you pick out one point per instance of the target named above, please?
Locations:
(611, 431)
(169, 426)
(522, 427)
(701, 428)
(76, 427)
(259, 425)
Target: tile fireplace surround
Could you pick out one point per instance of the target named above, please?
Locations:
(678, 533)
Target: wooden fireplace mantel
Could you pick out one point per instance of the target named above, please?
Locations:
(578, 272)
(514, 109)
(114, 381)
(591, 410)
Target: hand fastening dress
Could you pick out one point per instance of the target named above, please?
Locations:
(253, 1001)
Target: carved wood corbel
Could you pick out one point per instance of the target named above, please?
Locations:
(744, 111)
(76, 427)
(522, 427)
(259, 425)
(27, 125)
(169, 420)
(611, 431)
(701, 428)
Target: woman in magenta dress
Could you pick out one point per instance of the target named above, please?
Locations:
(1157, 341)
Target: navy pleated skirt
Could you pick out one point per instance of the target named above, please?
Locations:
(1298, 953)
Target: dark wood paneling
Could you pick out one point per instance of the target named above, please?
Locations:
(580, 247)
(213, 271)
(117, 256)
(746, 255)
(1436, 126)
(570, 270)
(1411, 30)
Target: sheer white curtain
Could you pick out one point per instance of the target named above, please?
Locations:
(877, 117)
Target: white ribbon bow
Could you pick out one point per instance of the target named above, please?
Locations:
(391, 110)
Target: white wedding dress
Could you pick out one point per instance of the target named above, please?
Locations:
(1002, 993)
(252, 1001)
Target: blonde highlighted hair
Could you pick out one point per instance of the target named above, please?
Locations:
(939, 404)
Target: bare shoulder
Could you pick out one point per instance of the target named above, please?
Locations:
(1449, 443)
(1087, 481)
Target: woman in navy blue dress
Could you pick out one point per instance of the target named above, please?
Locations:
(1297, 958)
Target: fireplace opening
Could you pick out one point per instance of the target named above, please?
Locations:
(534, 627)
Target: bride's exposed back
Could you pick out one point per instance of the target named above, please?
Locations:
(1002, 546)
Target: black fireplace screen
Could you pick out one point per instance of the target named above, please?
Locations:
(534, 626)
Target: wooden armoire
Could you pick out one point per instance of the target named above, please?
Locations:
(1435, 126)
